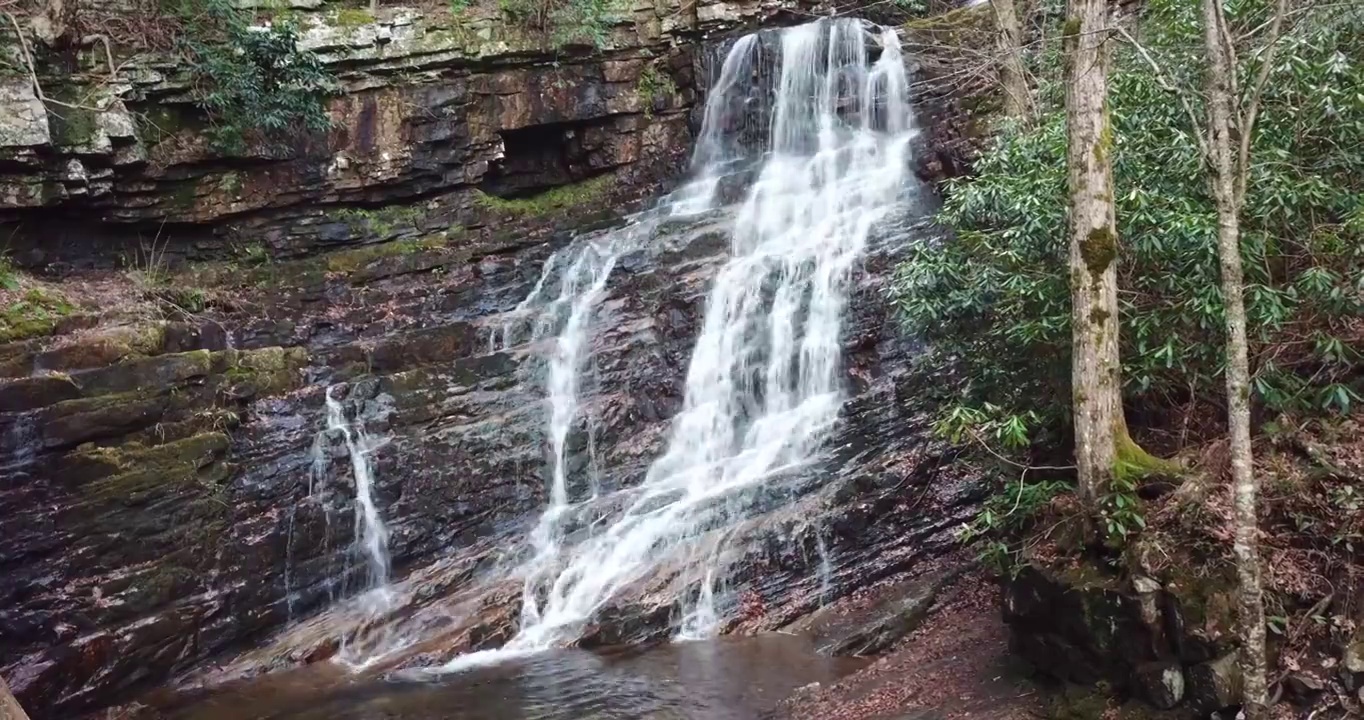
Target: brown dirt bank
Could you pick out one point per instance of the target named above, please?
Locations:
(957, 665)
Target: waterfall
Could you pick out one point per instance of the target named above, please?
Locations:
(580, 288)
(765, 382)
(371, 535)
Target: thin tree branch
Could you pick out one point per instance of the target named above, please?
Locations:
(979, 439)
(1252, 107)
(1164, 81)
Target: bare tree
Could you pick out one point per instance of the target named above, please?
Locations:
(1012, 75)
(1230, 176)
(1095, 371)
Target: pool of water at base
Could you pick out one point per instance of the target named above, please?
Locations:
(724, 679)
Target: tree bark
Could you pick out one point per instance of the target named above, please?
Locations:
(1228, 179)
(1095, 372)
(9, 707)
(1012, 76)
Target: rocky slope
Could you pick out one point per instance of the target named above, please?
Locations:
(163, 432)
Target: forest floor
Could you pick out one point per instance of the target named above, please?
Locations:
(957, 665)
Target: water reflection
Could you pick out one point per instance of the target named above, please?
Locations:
(725, 679)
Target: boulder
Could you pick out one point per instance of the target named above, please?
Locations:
(1160, 684)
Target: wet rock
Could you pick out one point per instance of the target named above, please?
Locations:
(1166, 643)
(28, 393)
(151, 372)
(1078, 629)
(1215, 685)
(893, 619)
(1304, 687)
(1161, 684)
(178, 510)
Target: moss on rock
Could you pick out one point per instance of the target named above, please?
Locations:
(106, 346)
(129, 472)
(577, 195)
(353, 260)
(35, 314)
(265, 371)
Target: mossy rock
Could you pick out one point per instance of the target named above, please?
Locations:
(72, 422)
(349, 261)
(155, 371)
(134, 471)
(105, 346)
(35, 314)
(410, 388)
(556, 200)
(28, 393)
(137, 504)
(1076, 627)
(349, 18)
(261, 372)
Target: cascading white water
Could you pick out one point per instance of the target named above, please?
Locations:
(371, 535)
(580, 288)
(722, 135)
(764, 386)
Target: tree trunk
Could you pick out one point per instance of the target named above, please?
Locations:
(1245, 546)
(1012, 76)
(1095, 373)
(9, 707)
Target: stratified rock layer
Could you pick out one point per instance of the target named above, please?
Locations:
(170, 490)
(438, 111)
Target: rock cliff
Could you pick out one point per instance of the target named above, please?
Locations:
(441, 111)
(163, 434)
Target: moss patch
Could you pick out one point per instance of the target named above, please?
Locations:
(1134, 463)
(73, 121)
(1104, 147)
(558, 199)
(127, 471)
(350, 18)
(1099, 249)
(654, 85)
(381, 222)
(107, 346)
(267, 371)
(353, 260)
(34, 314)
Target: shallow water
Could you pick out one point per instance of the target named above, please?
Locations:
(724, 679)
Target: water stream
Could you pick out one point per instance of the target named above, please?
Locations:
(723, 679)
(802, 155)
(371, 534)
(764, 386)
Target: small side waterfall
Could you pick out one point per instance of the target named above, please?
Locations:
(765, 383)
(580, 289)
(371, 534)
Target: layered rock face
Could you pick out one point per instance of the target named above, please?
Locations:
(438, 110)
(171, 488)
